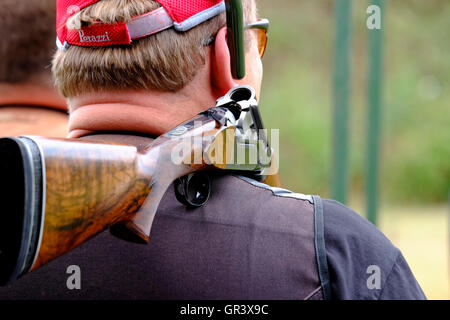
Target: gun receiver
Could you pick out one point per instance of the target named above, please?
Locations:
(58, 193)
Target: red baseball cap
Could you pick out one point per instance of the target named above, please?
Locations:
(182, 15)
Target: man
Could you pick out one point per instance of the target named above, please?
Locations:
(249, 241)
(29, 104)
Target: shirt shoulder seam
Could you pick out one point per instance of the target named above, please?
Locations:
(277, 192)
(389, 274)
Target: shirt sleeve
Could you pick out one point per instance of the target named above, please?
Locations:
(362, 263)
(401, 284)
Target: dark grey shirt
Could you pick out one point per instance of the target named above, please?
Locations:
(357, 250)
(247, 242)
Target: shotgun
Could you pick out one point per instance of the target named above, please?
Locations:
(58, 193)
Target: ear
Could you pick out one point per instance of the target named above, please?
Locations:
(221, 77)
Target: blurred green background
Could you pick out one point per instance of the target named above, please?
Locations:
(415, 143)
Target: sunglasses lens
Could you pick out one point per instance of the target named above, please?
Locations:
(262, 41)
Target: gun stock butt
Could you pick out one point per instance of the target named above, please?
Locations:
(56, 194)
(21, 198)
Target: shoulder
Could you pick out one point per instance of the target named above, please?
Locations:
(348, 230)
(274, 207)
(363, 263)
(243, 202)
(262, 238)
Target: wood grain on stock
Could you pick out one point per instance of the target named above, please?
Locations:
(89, 187)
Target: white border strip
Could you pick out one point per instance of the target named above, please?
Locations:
(149, 23)
(62, 47)
(278, 191)
(200, 17)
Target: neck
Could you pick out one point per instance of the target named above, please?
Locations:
(146, 112)
(31, 94)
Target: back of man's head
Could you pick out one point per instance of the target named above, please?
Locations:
(165, 61)
(27, 36)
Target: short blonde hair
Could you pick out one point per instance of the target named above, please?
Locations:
(166, 61)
